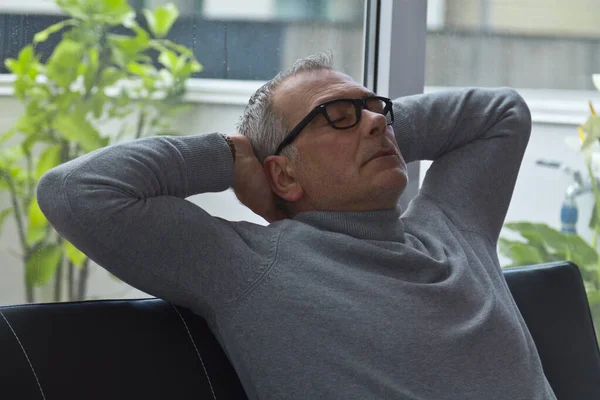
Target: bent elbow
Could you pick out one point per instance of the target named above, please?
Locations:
(53, 200)
(520, 111)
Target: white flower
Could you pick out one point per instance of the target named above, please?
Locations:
(595, 162)
(576, 142)
(596, 79)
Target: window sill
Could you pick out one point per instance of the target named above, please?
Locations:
(548, 106)
(205, 91)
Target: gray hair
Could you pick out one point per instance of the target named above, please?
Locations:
(266, 128)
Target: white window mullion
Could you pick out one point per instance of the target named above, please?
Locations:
(395, 57)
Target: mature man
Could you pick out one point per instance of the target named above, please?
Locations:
(341, 296)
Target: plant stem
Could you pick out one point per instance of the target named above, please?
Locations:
(17, 207)
(29, 294)
(83, 277)
(58, 280)
(102, 63)
(18, 215)
(140, 124)
(597, 206)
(30, 184)
(71, 280)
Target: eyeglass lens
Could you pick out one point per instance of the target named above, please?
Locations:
(343, 114)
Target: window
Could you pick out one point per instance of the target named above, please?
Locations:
(240, 44)
(547, 51)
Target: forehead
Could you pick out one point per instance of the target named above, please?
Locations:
(301, 92)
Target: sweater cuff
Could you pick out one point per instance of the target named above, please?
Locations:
(208, 161)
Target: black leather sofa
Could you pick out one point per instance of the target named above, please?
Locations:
(148, 349)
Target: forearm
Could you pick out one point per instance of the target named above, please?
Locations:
(431, 125)
(124, 206)
(477, 139)
(140, 169)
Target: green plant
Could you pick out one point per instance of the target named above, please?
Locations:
(93, 76)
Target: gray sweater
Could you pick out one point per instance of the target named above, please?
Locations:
(329, 305)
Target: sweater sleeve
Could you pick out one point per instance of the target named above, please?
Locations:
(124, 206)
(476, 138)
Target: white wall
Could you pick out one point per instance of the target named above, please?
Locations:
(29, 7)
(257, 10)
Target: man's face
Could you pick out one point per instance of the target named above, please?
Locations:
(337, 171)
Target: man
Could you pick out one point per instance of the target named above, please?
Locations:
(340, 296)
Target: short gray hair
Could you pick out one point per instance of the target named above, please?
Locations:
(266, 128)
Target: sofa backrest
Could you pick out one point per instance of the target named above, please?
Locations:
(133, 349)
(149, 349)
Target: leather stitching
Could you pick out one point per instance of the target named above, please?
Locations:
(197, 352)
(26, 356)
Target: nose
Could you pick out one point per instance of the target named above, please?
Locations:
(373, 123)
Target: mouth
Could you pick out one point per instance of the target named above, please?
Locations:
(383, 153)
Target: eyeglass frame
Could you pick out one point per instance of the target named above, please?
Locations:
(321, 109)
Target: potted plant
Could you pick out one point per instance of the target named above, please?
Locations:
(110, 66)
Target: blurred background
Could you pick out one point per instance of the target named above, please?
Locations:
(548, 50)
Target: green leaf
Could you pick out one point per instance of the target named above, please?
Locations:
(161, 44)
(142, 70)
(13, 66)
(7, 135)
(526, 254)
(74, 255)
(64, 62)
(42, 36)
(161, 20)
(132, 45)
(74, 8)
(76, 128)
(37, 223)
(114, 12)
(97, 103)
(581, 252)
(520, 253)
(27, 124)
(110, 76)
(90, 74)
(26, 57)
(593, 297)
(188, 69)
(42, 265)
(38, 137)
(594, 218)
(169, 59)
(551, 237)
(4, 214)
(21, 65)
(10, 155)
(47, 160)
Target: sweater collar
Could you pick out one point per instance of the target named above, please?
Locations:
(384, 225)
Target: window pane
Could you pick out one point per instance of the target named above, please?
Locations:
(239, 43)
(548, 51)
(519, 43)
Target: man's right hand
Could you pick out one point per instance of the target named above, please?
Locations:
(251, 185)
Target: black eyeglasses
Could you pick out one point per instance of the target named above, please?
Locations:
(342, 114)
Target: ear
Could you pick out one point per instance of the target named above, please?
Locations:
(282, 178)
